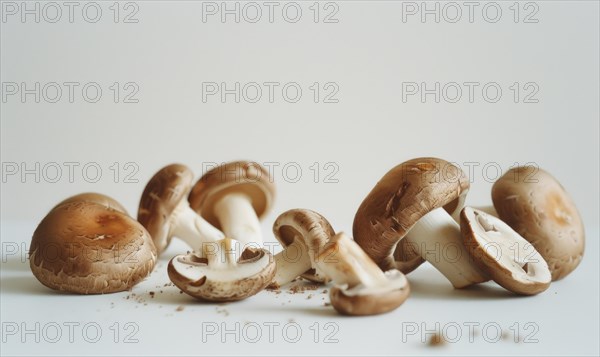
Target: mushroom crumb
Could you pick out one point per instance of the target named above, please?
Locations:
(302, 287)
(223, 311)
(437, 340)
(179, 308)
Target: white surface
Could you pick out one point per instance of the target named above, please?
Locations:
(368, 54)
(564, 318)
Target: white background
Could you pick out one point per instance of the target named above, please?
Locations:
(370, 53)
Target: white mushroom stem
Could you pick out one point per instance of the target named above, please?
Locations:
(238, 219)
(191, 227)
(293, 261)
(220, 255)
(437, 238)
(347, 264)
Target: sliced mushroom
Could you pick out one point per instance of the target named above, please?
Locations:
(87, 248)
(233, 197)
(165, 212)
(361, 288)
(220, 274)
(537, 207)
(414, 201)
(503, 254)
(304, 234)
(98, 198)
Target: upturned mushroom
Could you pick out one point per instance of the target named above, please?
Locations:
(233, 197)
(537, 207)
(414, 201)
(87, 248)
(361, 288)
(99, 198)
(165, 212)
(220, 273)
(304, 234)
(503, 254)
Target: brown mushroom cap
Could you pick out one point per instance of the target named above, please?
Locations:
(96, 198)
(405, 257)
(402, 196)
(537, 207)
(314, 230)
(87, 248)
(238, 176)
(503, 254)
(254, 271)
(378, 302)
(163, 193)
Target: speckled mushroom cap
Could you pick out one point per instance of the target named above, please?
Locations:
(194, 275)
(402, 196)
(537, 207)
(87, 248)
(163, 193)
(314, 230)
(238, 176)
(96, 198)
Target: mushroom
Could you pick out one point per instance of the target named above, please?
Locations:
(96, 198)
(414, 202)
(304, 234)
(165, 212)
(233, 197)
(218, 275)
(503, 254)
(87, 248)
(536, 206)
(405, 258)
(361, 288)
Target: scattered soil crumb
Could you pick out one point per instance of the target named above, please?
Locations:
(309, 296)
(437, 340)
(324, 291)
(223, 311)
(326, 304)
(273, 287)
(302, 287)
(152, 294)
(180, 308)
